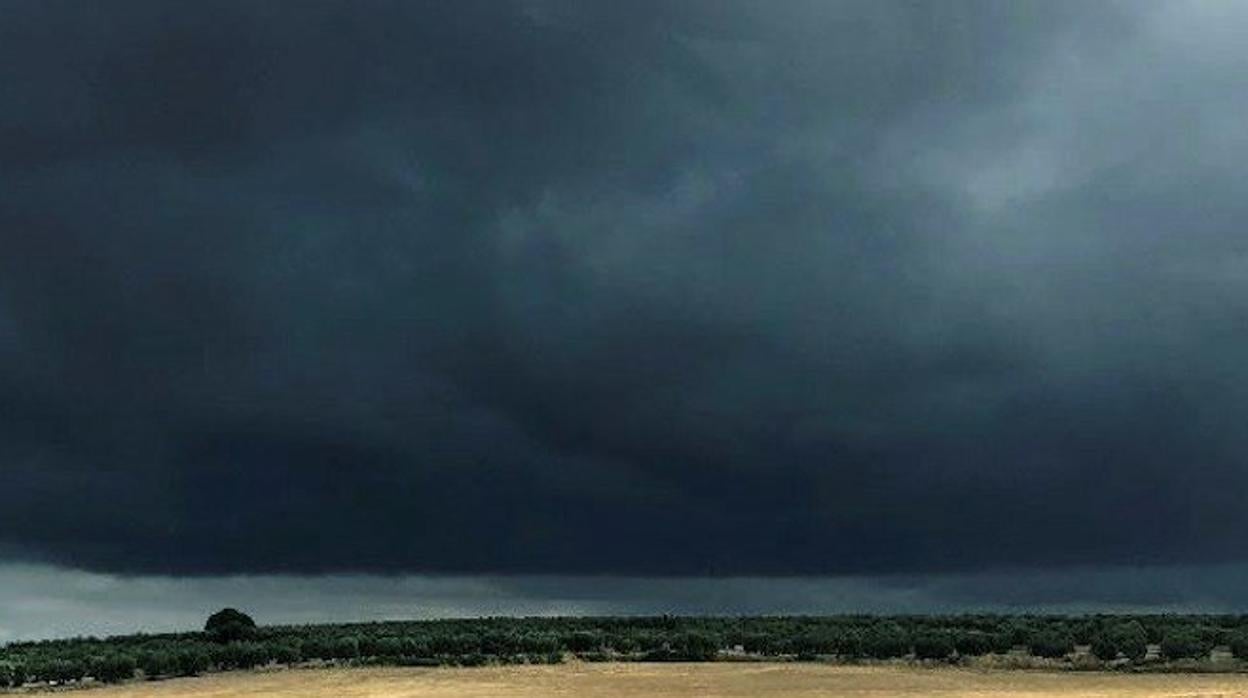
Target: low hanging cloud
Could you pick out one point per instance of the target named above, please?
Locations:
(720, 288)
(46, 602)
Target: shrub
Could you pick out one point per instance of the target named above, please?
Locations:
(624, 643)
(1132, 640)
(1016, 633)
(191, 662)
(251, 654)
(240, 655)
(885, 641)
(1128, 639)
(1002, 642)
(584, 641)
(114, 668)
(8, 677)
(19, 674)
(816, 641)
(412, 647)
(1086, 631)
(538, 643)
(460, 643)
(1156, 628)
(59, 670)
(286, 653)
(503, 643)
(1184, 643)
(696, 646)
(933, 644)
(973, 643)
(1213, 636)
(314, 648)
(1052, 643)
(849, 644)
(760, 643)
(345, 648)
(1104, 646)
(385, 647)
(1239, 644)
(156, 663)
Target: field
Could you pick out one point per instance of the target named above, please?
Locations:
(725, 679)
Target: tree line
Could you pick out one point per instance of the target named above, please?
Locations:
(232, 641)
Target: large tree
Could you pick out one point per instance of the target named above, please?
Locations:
(230, 625)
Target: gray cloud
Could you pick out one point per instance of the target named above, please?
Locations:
(42, 602)
(549, 288)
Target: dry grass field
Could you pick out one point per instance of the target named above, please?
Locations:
(735, 680)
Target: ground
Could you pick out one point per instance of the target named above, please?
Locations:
(717, 680)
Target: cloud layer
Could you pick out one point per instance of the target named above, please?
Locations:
(542, 287)
(45, 602)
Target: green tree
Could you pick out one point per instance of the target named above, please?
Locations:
(584, 641)
(345, 648)
(933, 644)
(114, 668)
(973, 643)
(885, 641)
(1104, 646)
(1131, 639)
(387, 647)
(156, 663)
(317, 648)
(419, 646)
(849, 643)
(1239, 644)
(191, 662)
(1002, 642)
(1184, 643)
(536, 643)
(285, 653)
(1053, 643)
(697, 646)
(230, 625)
(59, 669)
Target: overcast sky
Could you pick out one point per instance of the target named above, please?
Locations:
(636, 291)
(42, 602)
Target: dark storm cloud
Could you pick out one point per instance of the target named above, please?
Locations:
(712, 288)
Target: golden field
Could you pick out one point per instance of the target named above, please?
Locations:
(726, 680)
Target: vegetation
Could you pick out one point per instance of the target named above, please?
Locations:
(1052, 642)
(1185, 643)
(934, 644)
(1239, 644)
(1127, 640)
(229, 625)
(231, 641)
